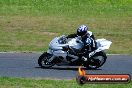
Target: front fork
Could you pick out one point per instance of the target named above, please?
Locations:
(51, 59)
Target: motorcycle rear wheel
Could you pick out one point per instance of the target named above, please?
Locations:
(95, 61)
(43, 60)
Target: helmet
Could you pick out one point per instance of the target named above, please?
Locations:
(82, 30)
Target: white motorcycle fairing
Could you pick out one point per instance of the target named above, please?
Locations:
(56, 49)
(102, 44)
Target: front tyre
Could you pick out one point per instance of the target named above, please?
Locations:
(96, 60)
(44, 62)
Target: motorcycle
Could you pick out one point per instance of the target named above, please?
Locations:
(63, 51)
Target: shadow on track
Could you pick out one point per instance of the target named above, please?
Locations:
(67, 68)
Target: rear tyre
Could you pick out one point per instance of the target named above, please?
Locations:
(96, 60)
(44, 62)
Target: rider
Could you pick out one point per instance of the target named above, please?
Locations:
(86, 37)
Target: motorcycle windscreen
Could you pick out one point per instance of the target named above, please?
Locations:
(54, 44)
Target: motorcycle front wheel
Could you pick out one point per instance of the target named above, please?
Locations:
(96, 60)
(44, 62)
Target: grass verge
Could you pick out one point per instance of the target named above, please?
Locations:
(6, 82)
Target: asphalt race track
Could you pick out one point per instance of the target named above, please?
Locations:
(25, 65)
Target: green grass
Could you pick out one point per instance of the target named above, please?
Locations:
(29, 25)
(6, 82)
(72, 8)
